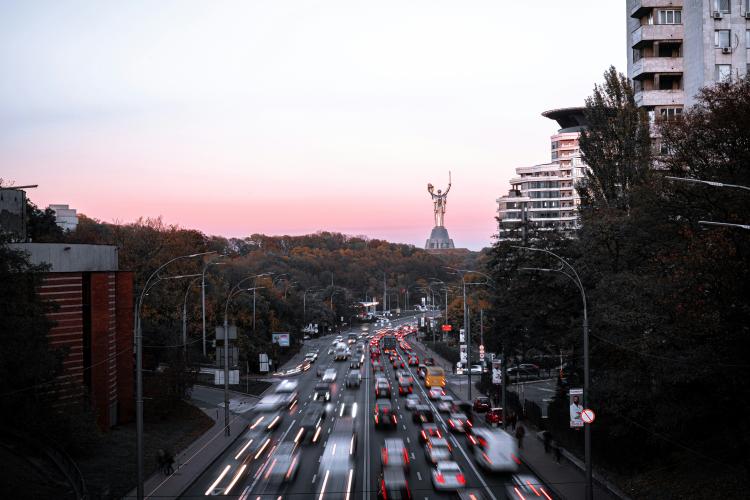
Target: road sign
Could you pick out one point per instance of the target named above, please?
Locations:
(446, 328)
(588, 415)
(263, 360)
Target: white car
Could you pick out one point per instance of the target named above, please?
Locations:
(412, 400)
(476, 369)
(311, 357)
(329, 375)
(448, 476)
(436, 393)
(458, 422)
(445, 404)
(495, 450)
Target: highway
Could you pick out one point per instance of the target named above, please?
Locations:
(335, 467)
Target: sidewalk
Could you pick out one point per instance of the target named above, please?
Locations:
(565, 478)
(196, 458)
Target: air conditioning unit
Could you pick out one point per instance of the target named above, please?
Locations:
(747, 15)
(726, 50)
(717, 15)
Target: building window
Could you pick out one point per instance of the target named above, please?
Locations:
(723, 72)
(668, 113)
(722, 6)
(722, 38)
(670, 17)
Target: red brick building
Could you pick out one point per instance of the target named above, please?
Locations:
(94, 323)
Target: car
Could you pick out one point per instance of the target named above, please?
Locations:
(377, 367)
(398, 363)
(422, 414)
(382, 389)
(526, 486)
(481, 404)
(384, 414)
(285, 464)
(353, 378)
(436, 393)
(472, 494)
(429, 361)
(311, 356)
(306, 337)
(476, 369)
(355, 363)
(267, 416)
(421, 369)
(406, 376)
(413, 360)
(392, 484)
(287, 389)
(494, 416)
(445, 404)
(394, 453)
(337, 462)
(495, 450)
(320, 371)
(311, 424)
(329, 375)
(437, 450)
(322, 392)
(404, 388)
(458, 422)
(428, 431)
(448, 476)
(412, 400)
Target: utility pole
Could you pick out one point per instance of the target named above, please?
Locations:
(385, 292)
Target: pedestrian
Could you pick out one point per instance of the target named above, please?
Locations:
(513, 420)
(168, 463)
(160, 459)
(520, 433)
(556, 451)
(547, 441)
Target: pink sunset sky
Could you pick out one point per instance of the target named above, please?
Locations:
(288, 117)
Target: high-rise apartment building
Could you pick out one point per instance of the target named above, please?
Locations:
(678, 46)
(544, 196)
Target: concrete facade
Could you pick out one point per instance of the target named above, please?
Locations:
(675, 47)
(13, 213)
(71, 258)
(65, 217)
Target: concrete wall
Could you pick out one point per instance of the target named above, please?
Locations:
(66, 258)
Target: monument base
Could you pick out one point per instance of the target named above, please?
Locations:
(439, 239)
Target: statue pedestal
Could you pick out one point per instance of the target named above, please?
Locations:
(439, 239)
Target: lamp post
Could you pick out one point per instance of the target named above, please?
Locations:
(184, 315)
(714, 184)
(235, 291)
(577, 280)
(203, 296)
(139, 363)
(467, 325)
(254, 288)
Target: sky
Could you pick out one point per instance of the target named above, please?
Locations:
(290, 117)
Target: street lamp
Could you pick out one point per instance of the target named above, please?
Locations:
(203, 296)
(236, 290)
(184, 314)
(714, 184)
(304, 300)
(577, 280)
(254, 288)
(139, 362)
(467, 325)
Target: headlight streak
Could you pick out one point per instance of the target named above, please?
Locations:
(234, 479)
(218, 480)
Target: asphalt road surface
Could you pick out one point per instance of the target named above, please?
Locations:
(243, 471)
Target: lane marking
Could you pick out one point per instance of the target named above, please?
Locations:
(419, 476)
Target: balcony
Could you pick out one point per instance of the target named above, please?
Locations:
(642, 7)
(651, 98)
(647, 65)
(656, 32)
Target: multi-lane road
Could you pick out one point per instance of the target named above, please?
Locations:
(244, 470)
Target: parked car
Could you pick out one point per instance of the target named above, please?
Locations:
(481, 404)
(494, 416)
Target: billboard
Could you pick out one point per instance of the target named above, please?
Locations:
(497, 372)
(281, 338)
(576, 395)
(464, 357)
